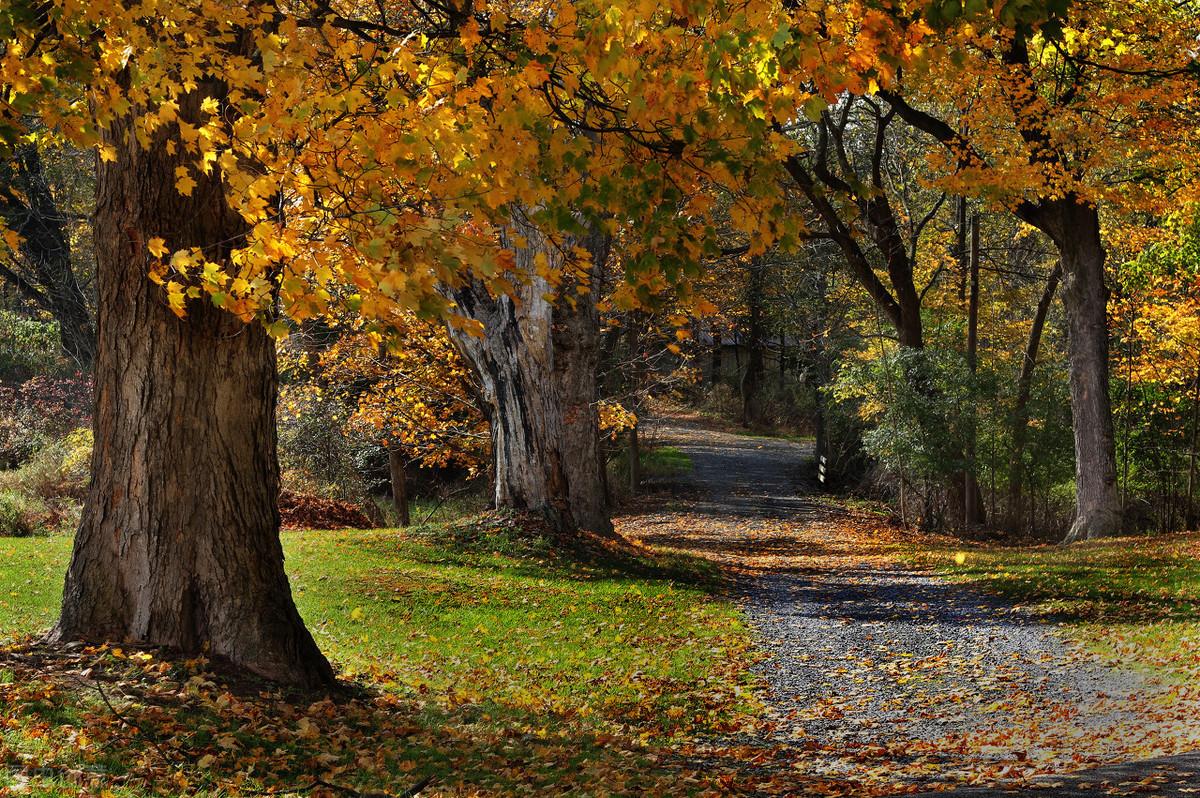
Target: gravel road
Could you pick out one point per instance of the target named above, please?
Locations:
(865, 654)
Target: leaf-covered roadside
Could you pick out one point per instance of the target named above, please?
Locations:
(1131, 600)
(883, 678)
(475, 656)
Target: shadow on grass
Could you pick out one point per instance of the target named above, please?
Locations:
(1130, 580)
(138, 725)
(523, 545)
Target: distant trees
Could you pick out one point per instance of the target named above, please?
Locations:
(1050, 86)
(41, 259)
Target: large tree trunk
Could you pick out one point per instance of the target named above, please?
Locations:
(1020, 415)
(536, 365)
(1075, 228)
(28, 207)
(179, 542)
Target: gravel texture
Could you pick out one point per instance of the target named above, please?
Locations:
(864, 652)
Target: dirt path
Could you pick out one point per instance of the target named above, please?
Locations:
(880, 677)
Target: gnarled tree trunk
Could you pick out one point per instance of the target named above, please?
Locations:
(536, 366)
(179, 542)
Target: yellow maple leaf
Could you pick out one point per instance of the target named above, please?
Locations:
(184, 185)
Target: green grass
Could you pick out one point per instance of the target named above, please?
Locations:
(655, 462)
(517, 623)
(436, 614)
(31, 581)
(665, 461)
(1133, 599)
(467, 500)
(495, 647)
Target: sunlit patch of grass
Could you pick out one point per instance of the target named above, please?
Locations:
(514, 622)
(1134, 599)
(482, 652)
(665, 461)
(31, 580)
(654, 462)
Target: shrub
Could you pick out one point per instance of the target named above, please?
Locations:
(723, 402)
(21, 515)
(39, 412)
(316, 455)
(28, 347)
(75, 465)
(58, 472)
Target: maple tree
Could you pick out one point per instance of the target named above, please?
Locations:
(242, 154)
(400, 386)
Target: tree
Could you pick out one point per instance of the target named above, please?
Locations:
(864, 195)
(42, 268)
(1033, 139)
(399, 385)
(179, 546)
(259, 160)
(753, 376)
(1020, 412)
(1157, 320)
(243, 143)
(536, 365)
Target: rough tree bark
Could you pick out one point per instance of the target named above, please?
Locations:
(1075, 228)
(28, 207)
(536, 366)
(179, 542)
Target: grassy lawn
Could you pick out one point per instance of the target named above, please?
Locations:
(1134, 599)
(31, 582)
(481, 658)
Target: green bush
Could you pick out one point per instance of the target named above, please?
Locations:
(58, 472)
(28, 348)
(21, 515)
